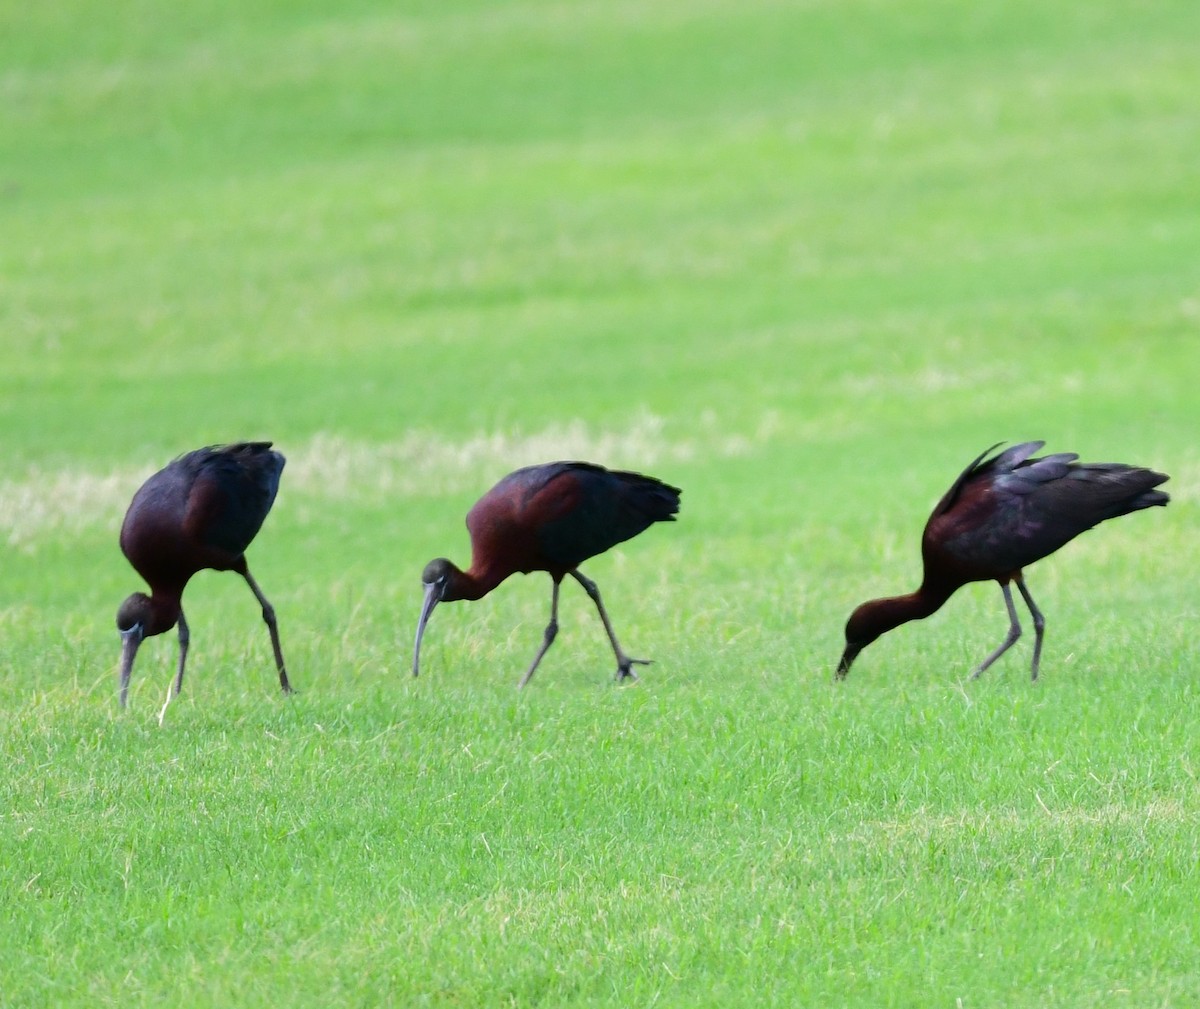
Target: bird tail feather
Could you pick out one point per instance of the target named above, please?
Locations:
(657, 501)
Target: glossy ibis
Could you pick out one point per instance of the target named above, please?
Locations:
(1000, 515)
(201, 511)
(549, 518)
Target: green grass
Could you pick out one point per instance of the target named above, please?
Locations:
(803, 260)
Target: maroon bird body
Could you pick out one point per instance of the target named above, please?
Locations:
(200, 512)
(549, 518)
(1002, 514)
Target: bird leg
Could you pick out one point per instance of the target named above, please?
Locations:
(184, 638)
(547, 638)
(1014, 632)
(624, 662)
(268, 614)
(1039, 624)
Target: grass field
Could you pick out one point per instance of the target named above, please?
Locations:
(804, 260)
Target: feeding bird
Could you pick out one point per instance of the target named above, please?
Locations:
(549, 518)
(201, 511)
(1002, 514)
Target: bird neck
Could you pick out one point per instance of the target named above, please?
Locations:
(471, 584)
(165, 608)
(883, 615)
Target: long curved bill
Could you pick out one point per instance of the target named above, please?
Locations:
(130, 640)
(431, 600)
(848, 657)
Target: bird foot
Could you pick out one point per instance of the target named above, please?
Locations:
(625, 670)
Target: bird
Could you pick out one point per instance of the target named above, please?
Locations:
(1003, 513)
(551, 517)
(199, 512)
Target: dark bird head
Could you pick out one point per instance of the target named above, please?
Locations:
(875, 618)
(861, 629)
(138, 618)
(438, 580)
(135, 614)
(133, 620)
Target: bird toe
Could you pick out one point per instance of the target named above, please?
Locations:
(625, 668)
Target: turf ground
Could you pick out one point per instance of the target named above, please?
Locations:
(804, 260)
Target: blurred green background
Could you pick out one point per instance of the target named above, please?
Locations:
(804, 260)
